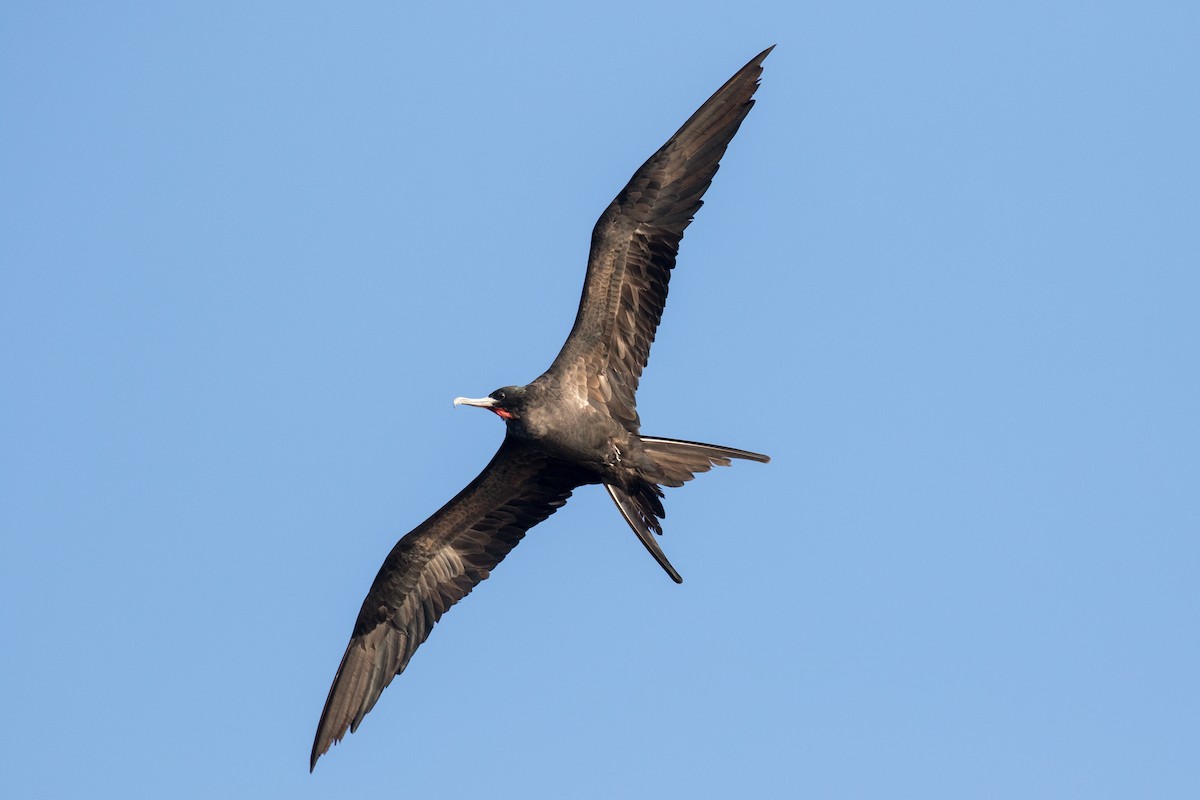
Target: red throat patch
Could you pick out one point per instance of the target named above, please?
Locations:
(503, 413)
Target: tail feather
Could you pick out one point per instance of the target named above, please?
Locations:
(678, 461)
(641, 516)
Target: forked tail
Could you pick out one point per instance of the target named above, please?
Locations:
(678, 461)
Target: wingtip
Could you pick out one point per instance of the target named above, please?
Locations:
(317, 749)
(757, 61)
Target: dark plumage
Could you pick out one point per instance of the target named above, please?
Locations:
(576, 424)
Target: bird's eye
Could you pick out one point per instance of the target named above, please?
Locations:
(501, 396)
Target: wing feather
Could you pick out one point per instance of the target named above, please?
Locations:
(434, 567)
(634, 245)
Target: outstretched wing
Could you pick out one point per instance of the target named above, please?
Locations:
(434, 567)
(633, 251)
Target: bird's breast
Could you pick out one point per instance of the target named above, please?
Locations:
(579, 436)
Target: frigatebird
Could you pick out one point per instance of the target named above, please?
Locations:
(577, 424)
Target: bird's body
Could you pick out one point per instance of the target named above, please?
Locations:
(575, 431)
(576, 424)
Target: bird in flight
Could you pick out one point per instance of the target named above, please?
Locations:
(577, 424)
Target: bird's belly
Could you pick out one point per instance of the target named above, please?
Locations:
(594, 442)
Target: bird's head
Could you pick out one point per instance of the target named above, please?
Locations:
(506, 403)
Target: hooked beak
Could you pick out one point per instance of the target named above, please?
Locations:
(480, 402)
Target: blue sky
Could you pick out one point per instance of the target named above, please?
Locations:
(947, 276)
